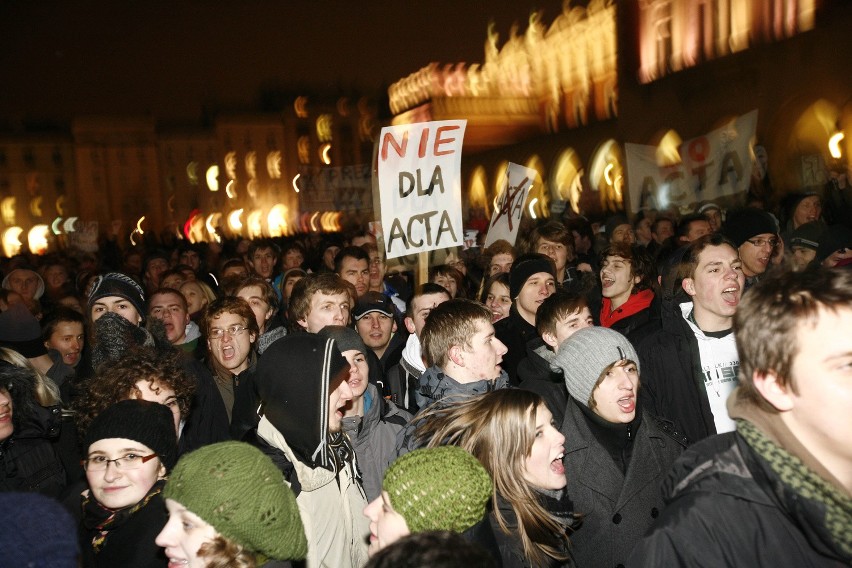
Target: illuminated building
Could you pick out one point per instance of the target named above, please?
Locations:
(582, 79)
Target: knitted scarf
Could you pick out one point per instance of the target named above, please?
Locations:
(98, 517)
(813, 493)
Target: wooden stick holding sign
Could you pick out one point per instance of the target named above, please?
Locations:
(419, 171)
(510, 206)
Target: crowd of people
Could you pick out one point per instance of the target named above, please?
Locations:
(671, 391)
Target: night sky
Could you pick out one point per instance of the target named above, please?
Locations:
(171, 59)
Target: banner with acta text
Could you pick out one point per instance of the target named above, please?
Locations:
(510, 205)
(419, 171)
(714, 165)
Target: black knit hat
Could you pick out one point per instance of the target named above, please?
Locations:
(808, 235)
(19, 331)
(121, 285)
(525, 266)
(833, 239)
(346, 338)
(149, 423)
(743, 224)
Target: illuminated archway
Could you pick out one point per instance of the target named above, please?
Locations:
(606, 175)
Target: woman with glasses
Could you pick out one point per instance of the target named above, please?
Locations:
(129, 449)
(231, 330)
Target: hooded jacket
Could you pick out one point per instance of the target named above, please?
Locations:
(728, 505)
(401, 380)
(439, 388)
(294, 423)
(374, 438)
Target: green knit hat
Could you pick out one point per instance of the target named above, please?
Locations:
(237, 489)
(437, 489)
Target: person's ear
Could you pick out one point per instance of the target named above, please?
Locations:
(769, 385)
(456, 355)
(688, 286)
(303, 322)
(550, 339)
(393, 325)
(161, 473)
(409, 325)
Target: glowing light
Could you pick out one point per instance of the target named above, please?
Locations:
(303, 145)
(68, 225)
(35, 206)
(11, 241)
(276, 221)
(324, 150)
(607, 173)
(231, 165)
(254, 226)
(171, 204)
(251, 164)
(251, 188)
(273, 164)
(313, 224)
(192, 172)
(139, 225)
(229, 190)
(532, 207)
(343, 106)
(300, 105)
(213, 178)
(7, 209)
(132, 237)
(60, 205)
(234, 221)
(193, 229)
(55, 226)
(834, 144)
(668, 150)
(210, 224)
(324, 127)
(295, 180)
(37, 238)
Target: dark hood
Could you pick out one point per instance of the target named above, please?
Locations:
(293, 379)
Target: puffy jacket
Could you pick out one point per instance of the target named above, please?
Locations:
(727, 507)
(374, 438)
(28, 458)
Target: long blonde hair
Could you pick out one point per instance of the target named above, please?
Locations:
(46, 391)
(498, 428)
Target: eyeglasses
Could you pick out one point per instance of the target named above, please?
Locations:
(233, 331)
(128, 462)
(760, 243)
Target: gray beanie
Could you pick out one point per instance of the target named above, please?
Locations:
(582, 358)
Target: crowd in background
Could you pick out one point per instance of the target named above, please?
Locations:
(305, 399)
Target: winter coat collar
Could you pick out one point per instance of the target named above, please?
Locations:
(637, 302)
(435, 385)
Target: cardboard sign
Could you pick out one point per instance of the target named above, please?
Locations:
(714, 165)
(510, 206)
(419, 171)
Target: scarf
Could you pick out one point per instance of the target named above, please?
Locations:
(99, 518)
(808, 492)
(637, 302)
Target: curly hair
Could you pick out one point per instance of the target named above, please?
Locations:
(222, 552)
(117, 381)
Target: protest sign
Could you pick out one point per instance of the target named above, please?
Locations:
(419, 172)
(714, 165)
(510, 205)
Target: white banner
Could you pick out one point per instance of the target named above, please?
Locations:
(419, 170)
(510, 206)
(714, 165)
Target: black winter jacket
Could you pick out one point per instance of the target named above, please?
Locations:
(511, 548)
(727, 507)
(535, 375)
(669, 361)
(29, 460)
(514, 332)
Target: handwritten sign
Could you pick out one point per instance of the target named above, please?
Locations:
(510, 205)
(419, 173)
